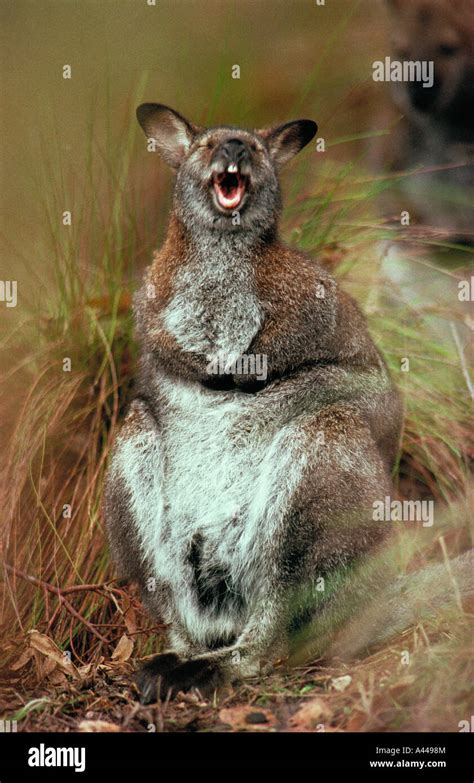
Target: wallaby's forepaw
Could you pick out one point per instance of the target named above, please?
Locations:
(168, 673)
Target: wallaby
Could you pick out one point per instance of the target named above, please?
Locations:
(265, 423)
(436, 133)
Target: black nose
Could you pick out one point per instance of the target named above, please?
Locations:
(233, 151)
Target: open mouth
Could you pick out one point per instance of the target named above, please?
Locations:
(230, 187)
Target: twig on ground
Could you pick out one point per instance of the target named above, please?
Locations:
(60, 593)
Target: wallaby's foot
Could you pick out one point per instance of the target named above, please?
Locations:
(147, 677)
(168, 674)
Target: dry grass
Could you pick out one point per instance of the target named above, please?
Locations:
(419, 682)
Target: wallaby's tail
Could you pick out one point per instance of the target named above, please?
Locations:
(379, 611)
(411, 599)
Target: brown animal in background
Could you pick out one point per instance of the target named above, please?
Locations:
(437, 129)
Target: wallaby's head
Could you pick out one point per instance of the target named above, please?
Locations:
(227, 178)
(442, 32)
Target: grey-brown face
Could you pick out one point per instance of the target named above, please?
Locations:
(228, 181)
(441, 32)
(226, 177)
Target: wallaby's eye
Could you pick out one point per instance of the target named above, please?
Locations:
(253, 147)
(209, 145)
(448, 50)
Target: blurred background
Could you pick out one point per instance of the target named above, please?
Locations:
(295, 59)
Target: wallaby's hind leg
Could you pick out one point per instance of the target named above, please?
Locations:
(131, 479)
(133, 496)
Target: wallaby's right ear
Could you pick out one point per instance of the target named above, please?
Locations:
(171, 132)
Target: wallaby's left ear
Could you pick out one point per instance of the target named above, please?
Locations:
(287, 140)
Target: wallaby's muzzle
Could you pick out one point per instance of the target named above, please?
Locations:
(230, 173)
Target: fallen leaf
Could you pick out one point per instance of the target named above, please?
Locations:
(245, 718)
(57, 677)
(24, 658)
(44, 645)
(85, 670)
(341, 683)
(123, 650)
(89, 726)
(313, 714)
(356, 722)
(45, 665)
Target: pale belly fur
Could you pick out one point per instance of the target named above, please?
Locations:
(210, 471)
